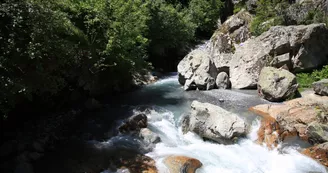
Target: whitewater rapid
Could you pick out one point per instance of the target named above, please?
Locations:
(168, 103)
(243, 157)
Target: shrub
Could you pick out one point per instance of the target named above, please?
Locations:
(305, 80)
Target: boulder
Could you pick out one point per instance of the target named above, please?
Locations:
(319, 153)
(295, 117)
(317, 132)
(321, 87)
(182, 164)
(214, 123)
(222, 81)
(149, 137)
(134, 123)
(276, 84)
(197, 69)
(234, 30)
(295, 42)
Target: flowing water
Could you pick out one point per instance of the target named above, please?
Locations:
(168, 102)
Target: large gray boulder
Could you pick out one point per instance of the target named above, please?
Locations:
(291, 46)
(214, 123)
(276, 84)
(197, 70)
(234, 30)
(321, 87)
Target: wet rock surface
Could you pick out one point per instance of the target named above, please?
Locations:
(319, 153)
(182, 164)
(134, 123)
(295, 116)
(214, 123)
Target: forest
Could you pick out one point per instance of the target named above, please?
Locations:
(51, 48)
(56, 53)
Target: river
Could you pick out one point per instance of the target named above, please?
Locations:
(168, 102)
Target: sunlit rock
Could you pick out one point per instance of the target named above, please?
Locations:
(182, 164)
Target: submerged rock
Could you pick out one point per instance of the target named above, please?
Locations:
(182, 164)
(319, 153)
(214, 123)
(148, 136)
(276, 84)
(321, 87)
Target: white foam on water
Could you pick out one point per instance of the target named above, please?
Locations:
(244, 157)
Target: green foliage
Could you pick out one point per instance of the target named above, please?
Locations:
(53, 47)
(170, 30)
(275, 12)
(205, 14)
(315, 16)
(305, 80)
(239, 6)
(268, 14)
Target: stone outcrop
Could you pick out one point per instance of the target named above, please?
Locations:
(199, 69)
(232, 50)
(289, 46)
(321, 87)
(276, 84)
(214, 123)
(319, 153)
(182, 164)
(305, 117)
(234, 30)
(299, 12)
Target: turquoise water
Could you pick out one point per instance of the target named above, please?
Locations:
(169, 102)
